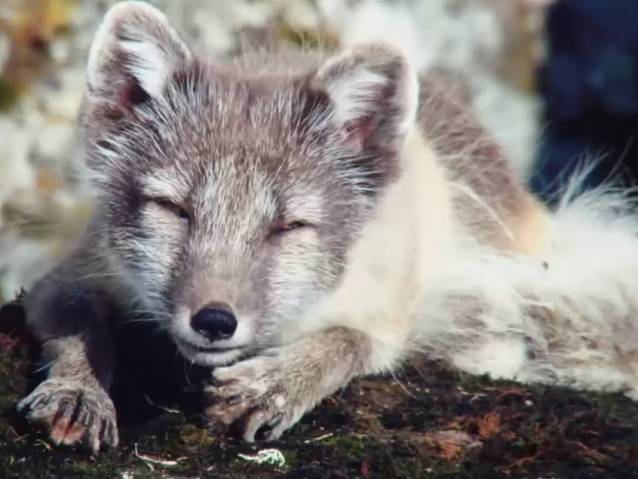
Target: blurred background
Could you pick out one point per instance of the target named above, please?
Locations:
(556, 82)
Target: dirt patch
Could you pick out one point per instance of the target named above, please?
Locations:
(426, 422)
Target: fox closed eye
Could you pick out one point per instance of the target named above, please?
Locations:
(281, 227)
(171, 207)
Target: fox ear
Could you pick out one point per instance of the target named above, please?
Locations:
(374, 95)
(133, 54)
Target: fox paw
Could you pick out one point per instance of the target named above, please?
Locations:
(255, 397)
(72, 413)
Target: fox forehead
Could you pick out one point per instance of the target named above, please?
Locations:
(229, 104)
(208, 121)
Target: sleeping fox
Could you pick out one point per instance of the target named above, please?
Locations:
(294, 219)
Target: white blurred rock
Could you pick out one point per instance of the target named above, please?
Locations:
(17, 175)
(27, 260)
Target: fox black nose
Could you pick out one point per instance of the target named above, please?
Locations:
(215, 322)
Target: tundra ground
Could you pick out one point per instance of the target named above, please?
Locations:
(427, 422)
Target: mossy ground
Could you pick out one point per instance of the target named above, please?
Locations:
(427, 422)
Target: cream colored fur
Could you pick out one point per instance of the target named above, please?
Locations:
(560, 308)
(568, 317)
(393, 262)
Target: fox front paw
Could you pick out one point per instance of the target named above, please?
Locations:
(72, 413)
(257, 397)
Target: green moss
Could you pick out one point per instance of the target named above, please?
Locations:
(308, 38)
(8, 95)
(193, 436)
(350, 445)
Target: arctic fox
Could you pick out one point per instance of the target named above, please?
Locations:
(295, 219)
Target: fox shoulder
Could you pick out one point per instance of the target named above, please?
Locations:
(490, 199)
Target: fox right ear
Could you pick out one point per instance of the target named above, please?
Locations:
(374, 95)
(133, 54)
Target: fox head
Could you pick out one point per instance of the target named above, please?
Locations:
(231, 197)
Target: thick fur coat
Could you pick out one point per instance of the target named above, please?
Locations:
(346, 210)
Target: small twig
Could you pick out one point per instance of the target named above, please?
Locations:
(591, 453)
(149, 461)
(163, 408)
(510, 392)
(44, 444)
(524, 461)
(320, 438)
(18, 438)
(477, 396)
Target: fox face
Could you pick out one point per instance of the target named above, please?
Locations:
(231, 198)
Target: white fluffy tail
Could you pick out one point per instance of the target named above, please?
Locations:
(570, 318)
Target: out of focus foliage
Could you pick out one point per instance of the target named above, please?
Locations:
(27, 30)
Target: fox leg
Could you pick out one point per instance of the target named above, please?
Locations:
(267, 394)
(72, 404)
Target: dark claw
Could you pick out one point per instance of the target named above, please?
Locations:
(238, 427)
(84, 417)
(105, 431)
(39, 401)
(66, 408)
(234, 400)
(265, 431)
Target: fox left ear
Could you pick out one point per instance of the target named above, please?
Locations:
(133, 54)
(374, 96)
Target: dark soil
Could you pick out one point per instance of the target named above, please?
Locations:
(427, 422)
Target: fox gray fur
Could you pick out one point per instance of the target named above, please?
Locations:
(346, 211)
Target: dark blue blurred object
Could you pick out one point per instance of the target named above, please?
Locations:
(590, 88)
